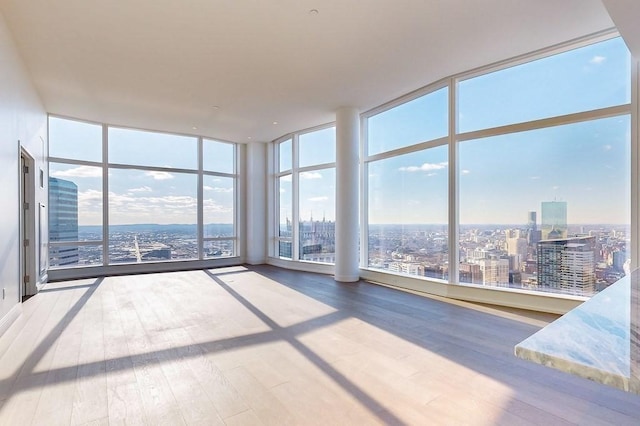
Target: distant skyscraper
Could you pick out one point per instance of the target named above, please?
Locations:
(619, 258)
(495, 270)
(470, 273)
(516, 248)
(567, 265)
(533, 233)
(554, 220)
(63, 221)
(532, 221)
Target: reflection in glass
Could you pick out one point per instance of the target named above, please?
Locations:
(411, 236)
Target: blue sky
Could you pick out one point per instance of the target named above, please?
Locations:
(501, 178)
(143, 196)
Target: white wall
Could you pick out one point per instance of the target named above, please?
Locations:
(256, 203)
(23, 122)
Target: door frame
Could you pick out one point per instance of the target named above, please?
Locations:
(27, 219)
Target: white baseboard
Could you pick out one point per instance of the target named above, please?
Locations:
(12, 315)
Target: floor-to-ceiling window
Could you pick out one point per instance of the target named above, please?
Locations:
(75, 193)
(544, 161)
(219, 195)
(305, 196)
(122, 196)
(516, 176)
(406, 167)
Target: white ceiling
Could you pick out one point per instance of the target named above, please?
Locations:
(165, 64)
(626, 16)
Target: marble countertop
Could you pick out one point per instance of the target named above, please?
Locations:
(598, 340)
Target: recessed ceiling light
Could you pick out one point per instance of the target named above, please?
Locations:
(194, 128)
(275, 122)
(313, 12)
(215, 107)
(248, 137)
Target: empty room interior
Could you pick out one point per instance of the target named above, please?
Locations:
(320, 212)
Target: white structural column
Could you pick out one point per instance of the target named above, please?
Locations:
(347, 144)
(256, 203)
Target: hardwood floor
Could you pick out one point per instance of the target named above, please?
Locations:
(262, 345)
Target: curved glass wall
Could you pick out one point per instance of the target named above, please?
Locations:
(527, 185)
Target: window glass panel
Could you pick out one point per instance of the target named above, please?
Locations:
(420, 120)
(218, 206)
(141, 148)
(285, 155)
(218, 248)
(152, 216)
(547, 209)
(218, 156)
(591, 77)
(90, 255)
(408, 209)
(317, 147)
(75, 213)
(285, 229)
(75, 203)
(317, 215)
(70, 256)
(75, 140)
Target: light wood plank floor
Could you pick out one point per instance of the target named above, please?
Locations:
(262, 345)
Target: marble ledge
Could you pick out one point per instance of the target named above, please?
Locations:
(599, 340)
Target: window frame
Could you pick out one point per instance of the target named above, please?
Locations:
(295, 172)
(198, 172)
(454, 138)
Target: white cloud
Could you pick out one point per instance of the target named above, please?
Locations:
(556, 187)
(159, 175)
(217, 189)
(282, 190)
(286, 178)
(597, 60)
(141, 189)
(89, 200)
(426, 167)
(535, 178)
(310, 175)
(466, 172)
(607, 147)
(90, 207)
(129, 208)
(80, 171)
(318, 198)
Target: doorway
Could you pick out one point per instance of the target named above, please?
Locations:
(27, 226)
